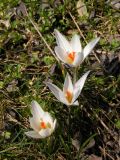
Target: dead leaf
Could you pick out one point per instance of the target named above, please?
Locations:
(115, 4)
(45, 4)
(12, 87)
(76, 144)
(90, 144)
(22, 9)
(94, 157)
(6, 23)
(81, 8)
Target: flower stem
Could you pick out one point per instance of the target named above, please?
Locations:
(69, 130)
(69, 122)
(74, 75)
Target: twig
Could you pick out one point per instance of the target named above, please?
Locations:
(77, 27)
(104, 125)
(36, 28)
(106, 153)
(96, 57)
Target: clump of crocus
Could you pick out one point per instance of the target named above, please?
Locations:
(71, 52)
(70, 92)
(42, 123)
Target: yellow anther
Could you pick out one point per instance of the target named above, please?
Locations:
(43, 125)
(69, 96)
(71, 57)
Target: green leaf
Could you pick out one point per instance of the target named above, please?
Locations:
(117, 124)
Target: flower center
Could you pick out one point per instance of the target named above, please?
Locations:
(44, 125)
(69, 96)
(71, 57)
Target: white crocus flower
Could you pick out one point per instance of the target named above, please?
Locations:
(70, 92)
(42, 123)
(72, 52)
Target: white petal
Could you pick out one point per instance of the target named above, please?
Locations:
(57, 92)
(79, 85)
(78, 59)
(68, 86)
(75, 103)
(75, 43)
(33, 134)
(61, 54)
(62, 41)
(81, 81)
(36, 110)
(47, 118)
(35, 123)
(89, 47)
(54, 124)
(45, 132)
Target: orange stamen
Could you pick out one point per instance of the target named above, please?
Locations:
(43, 125)
(71, 57)
(69, 96)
